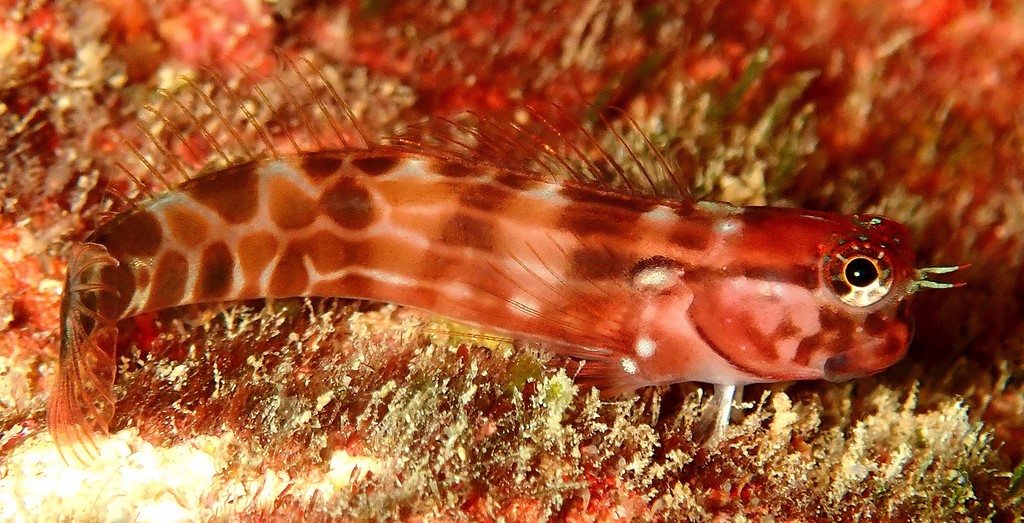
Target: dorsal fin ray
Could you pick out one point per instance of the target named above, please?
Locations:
(544, 151)
(558, 149)
(572, 146)
(179, 166)
(256, 125)
(643, 170)
(210, 121)
(204, 125)
(219, 114)
(167, 185)
(662, 162)
(304, 116)
(197, 125)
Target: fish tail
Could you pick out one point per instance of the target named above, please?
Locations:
(82, 401)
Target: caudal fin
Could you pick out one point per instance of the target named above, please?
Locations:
(82, 401)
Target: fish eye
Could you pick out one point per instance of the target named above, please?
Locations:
(861, 272)
(858, 274)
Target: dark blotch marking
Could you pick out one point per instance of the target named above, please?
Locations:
(786, 329)
(762, 342)
(122, 279)
(686, 236)
(290, 277)
(464, 230)
(169, 281)
(349, 204)
(216, 273)
(834, 321)
(596, 196)
(104, 304)
(483, 196)
(436, 265)
(137, 235)
(231, 192)
(290, 208)
(187, 226)
(455, 169)
(808, 346)
(589, 219)
(876, 323)
(376, 165)
(518, 181)
(323, 165)
(328, 253)
(596, 264)
(255, 252)
(841, 328)
(839, 287)
(142, 277)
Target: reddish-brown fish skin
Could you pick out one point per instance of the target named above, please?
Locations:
(651, 291)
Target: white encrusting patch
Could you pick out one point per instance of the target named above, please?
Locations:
(457, 291)
(771, 289)
(629, 366)
(728, 227)
(385, 277)
(284, 169)
(656, 279)
(549, 193)
(388, 278)
(645, 347)
(415, 239)
(719, 208)
(661, 213)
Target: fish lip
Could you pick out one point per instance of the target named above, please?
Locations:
(838, 369)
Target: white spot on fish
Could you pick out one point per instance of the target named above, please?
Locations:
(549, 193)
(410, 168)
(719, 208)
(645, 347)
(728, 227)
(389, 278)
(772, 289)
(279, 169)
(629, 366)
(661, 213)
(656, 278)
(458, 291)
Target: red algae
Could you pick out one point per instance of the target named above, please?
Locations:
(901, 109)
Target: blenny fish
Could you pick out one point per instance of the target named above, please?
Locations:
(648, 290)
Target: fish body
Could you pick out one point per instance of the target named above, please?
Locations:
(494, 225)
(650, 291)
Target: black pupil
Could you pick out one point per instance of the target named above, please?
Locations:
(861, 272)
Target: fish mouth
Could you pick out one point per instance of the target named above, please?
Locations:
(840, 368)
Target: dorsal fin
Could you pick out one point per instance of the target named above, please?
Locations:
(209, 121)
(196, 126)
(550, 143)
